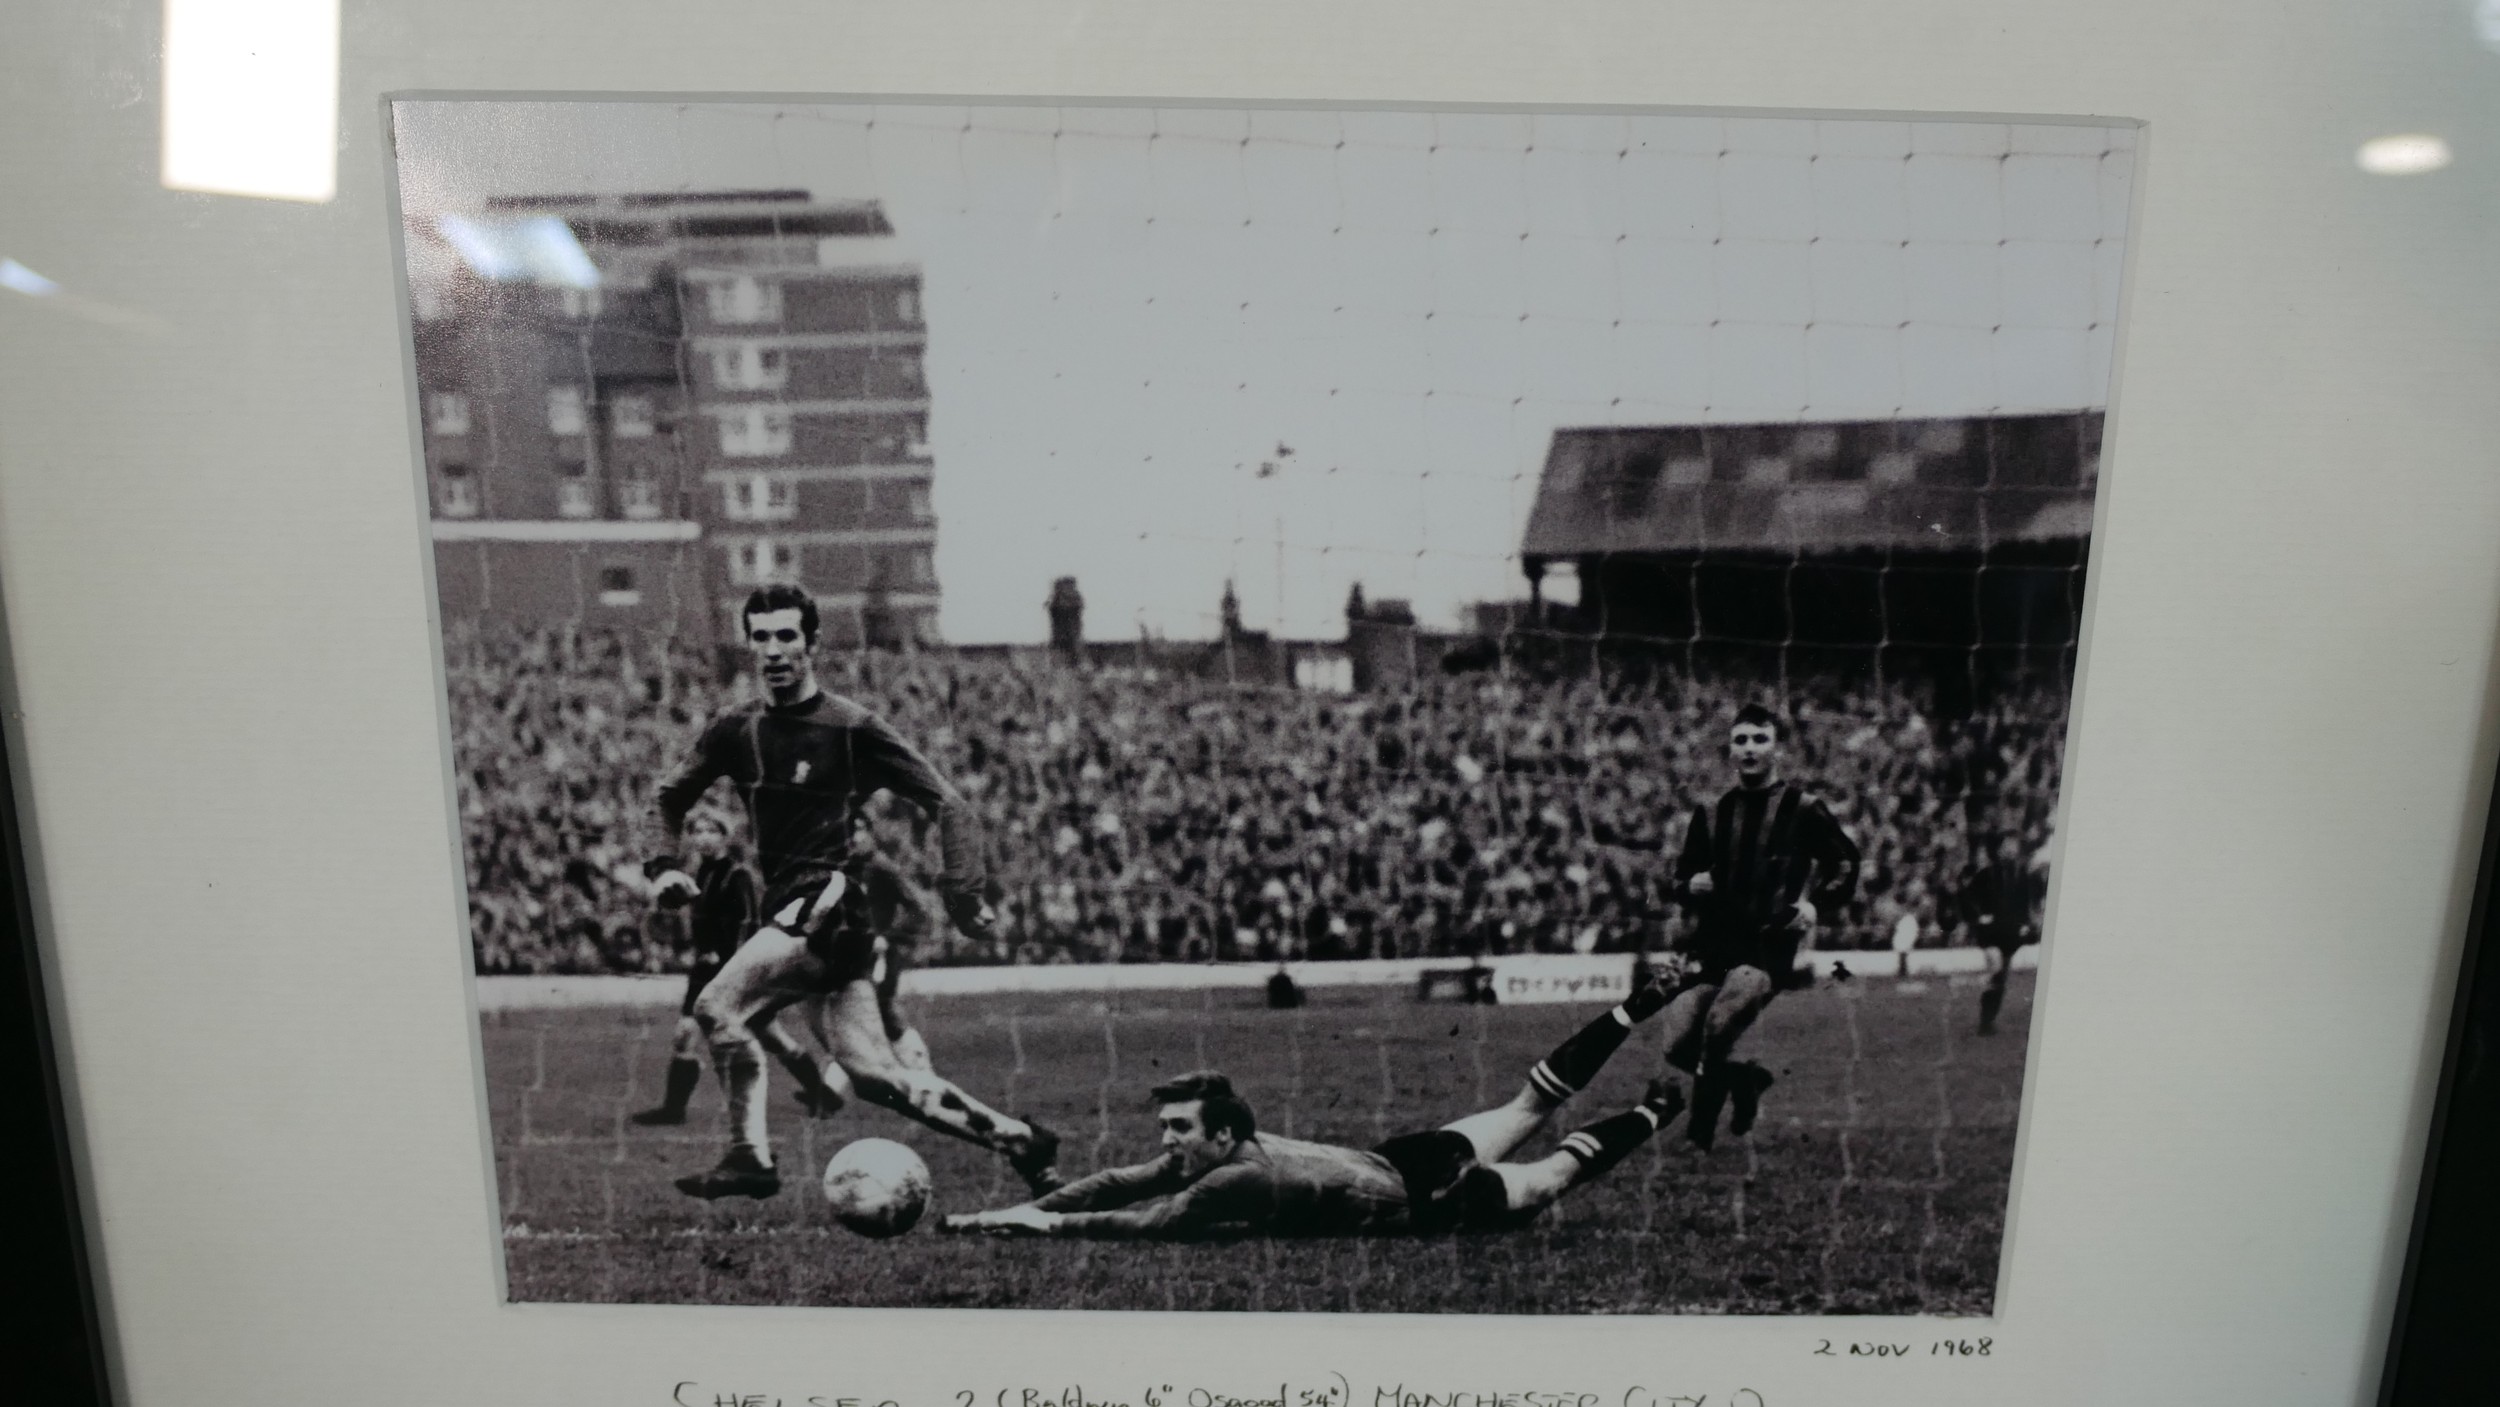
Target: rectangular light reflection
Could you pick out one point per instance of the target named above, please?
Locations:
(251, 97)
(540, 248)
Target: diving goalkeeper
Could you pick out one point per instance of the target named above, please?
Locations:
(1219, 1176)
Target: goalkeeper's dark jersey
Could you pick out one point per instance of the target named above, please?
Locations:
(805, 769)
(1270, 1186)
(1764, 848)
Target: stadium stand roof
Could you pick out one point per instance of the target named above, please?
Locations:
(1940, 484)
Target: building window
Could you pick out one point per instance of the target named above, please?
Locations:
(745, 366)
(567, 412)
(576, 498)
(916, 446)
(755, 430)
(916, 503)
(1327, 674)
(447, 412)
(455, 491)
(759, 498)
(743, 299)
(907, 307)
(616, 587)
(638, 498)
(918, 568)
(762, 562)
(582, 302)
(630, 418)
(896, 377)
(1560, 586)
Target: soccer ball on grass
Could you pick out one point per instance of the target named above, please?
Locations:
(877, 1187)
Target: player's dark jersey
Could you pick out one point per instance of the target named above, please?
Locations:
(724, 912)
(1764, 848)
(805, 769)
(1270, 1186)
(2000, 901)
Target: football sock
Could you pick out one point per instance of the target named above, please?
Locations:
(939, 1103)
(1607, 1142)
(742, 1078)
(1991, 1002)
(803, 1069)
(684, 1073)
(1649, 997)
(1746, 1082)
(1570, 1066)
(1709, 1098)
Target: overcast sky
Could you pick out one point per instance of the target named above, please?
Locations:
(1130, 310)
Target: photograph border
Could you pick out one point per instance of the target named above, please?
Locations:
(2006, 1283)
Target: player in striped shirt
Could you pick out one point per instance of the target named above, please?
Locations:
(1219, 1176)
(1758, 870)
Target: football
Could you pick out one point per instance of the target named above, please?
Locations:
(877, 1187)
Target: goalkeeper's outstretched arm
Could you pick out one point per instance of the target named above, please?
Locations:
(1228, 1201)
(1114, 1187)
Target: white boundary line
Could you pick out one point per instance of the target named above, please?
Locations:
(497, 993)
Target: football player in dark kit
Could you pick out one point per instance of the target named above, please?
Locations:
(806, 761)
(719, 916)
(1758, 871)
(2001, 903)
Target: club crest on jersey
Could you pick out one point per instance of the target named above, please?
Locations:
(800, 773)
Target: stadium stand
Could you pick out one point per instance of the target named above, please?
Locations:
(1141, 815)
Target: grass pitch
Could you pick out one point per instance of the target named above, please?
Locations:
(1875, 1184)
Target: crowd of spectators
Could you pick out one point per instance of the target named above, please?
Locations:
(1143, 815)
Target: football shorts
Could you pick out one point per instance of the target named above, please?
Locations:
(827, 909)
(1773, 949)
(1447, 1189)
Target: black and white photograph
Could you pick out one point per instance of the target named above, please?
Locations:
(1189, 708)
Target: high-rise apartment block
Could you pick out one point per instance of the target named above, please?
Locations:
(639, 408)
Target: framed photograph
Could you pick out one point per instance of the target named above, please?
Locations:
(1621, 573)
(1351, 706)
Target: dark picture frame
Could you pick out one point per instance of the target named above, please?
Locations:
(56, 1334)
(2441, 1349)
